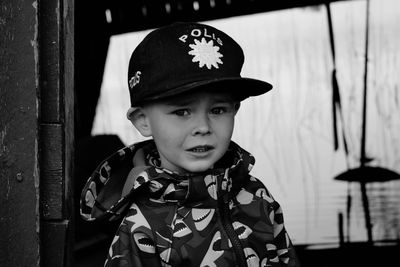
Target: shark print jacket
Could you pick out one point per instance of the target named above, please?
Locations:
(222, 217)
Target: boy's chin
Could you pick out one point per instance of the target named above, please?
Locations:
(197, 169)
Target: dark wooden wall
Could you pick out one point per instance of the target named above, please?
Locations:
(36, 134)
(19, 170)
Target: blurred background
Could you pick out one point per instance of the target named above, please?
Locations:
(326, 139)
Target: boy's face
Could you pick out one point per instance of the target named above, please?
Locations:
(192, 131)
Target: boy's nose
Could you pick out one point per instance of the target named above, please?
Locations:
(201, 126)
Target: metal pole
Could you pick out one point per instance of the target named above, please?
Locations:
(363, 158)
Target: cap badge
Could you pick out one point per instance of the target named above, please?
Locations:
(205, 53)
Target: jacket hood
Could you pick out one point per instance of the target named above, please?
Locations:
(134, 172)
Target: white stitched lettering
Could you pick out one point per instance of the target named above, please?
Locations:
(206, 35)
(135, 79)
(183, 38)
(196, 33)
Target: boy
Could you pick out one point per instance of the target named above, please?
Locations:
(186, 195)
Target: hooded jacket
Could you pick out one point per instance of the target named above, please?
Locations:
(221, 217)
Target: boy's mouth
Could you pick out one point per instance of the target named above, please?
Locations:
(200, 149)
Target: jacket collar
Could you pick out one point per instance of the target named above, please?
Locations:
(114, 183)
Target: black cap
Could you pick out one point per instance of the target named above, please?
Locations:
(185, 56)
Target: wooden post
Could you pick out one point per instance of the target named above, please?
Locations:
(36, 132)
(56, 57)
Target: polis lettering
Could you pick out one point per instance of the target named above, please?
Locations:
(201, 33)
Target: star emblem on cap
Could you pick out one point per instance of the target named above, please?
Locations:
(205, 53)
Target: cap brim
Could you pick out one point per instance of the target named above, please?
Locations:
(241, 88)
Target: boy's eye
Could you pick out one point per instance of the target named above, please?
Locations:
(218, 110)
(181, 112)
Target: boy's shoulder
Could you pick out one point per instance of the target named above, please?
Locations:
(102, 194)
(258, 189)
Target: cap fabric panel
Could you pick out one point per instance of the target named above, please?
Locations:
(186, 56)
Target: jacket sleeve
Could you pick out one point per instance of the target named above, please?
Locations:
(280, 249)
(133, 245)
(282, 241)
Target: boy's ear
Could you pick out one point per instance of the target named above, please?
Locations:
(139, 119)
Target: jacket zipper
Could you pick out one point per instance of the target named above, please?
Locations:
(228, 227)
